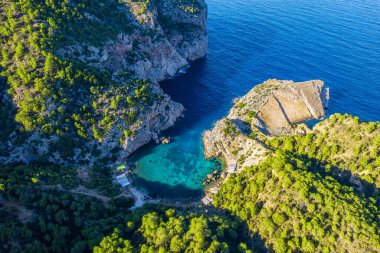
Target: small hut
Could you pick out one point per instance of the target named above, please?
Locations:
(122, 180)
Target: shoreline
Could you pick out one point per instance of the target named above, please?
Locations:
(141, 199)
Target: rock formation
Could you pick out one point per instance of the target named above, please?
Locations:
(162, 116)
(179, 36)
(161, 38)
(165, 38)
(291, 103)
(272, 109)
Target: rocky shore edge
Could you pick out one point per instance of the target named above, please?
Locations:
(272, 109)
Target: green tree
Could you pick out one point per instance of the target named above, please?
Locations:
(50, 64)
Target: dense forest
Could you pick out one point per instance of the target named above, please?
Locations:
(40, 212)
(316, 193)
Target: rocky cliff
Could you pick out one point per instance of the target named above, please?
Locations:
(272, 108)
(84, 81)
(164, 37)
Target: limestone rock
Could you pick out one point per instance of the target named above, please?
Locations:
(291, 103)
(269, 109)
(165, 36)
(162, 116)
(164, 40)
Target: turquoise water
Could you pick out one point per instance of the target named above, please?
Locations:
(250, 42)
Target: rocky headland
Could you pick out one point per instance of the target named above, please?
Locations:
(272, 109)
(164, 37)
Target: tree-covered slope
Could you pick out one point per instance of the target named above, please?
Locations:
(48, 91)
(347, 148)
(170, 232)
(315, 193)
(293, 208)
(47, 208)
(82, 74)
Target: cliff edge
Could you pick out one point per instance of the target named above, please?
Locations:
(83, 79)
(273, 108)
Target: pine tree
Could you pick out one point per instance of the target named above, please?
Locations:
(50, 64)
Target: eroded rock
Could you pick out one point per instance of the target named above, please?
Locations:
(272, 108)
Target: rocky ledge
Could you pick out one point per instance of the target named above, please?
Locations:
(273, 108)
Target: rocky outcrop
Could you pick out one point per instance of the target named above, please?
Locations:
(169, 35)
(291, 103)
(165, 37)
(269, 109)
(161, 116)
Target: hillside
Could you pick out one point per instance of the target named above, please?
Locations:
(42, 210)
(300, 189)
(81, 76)
(79, 92)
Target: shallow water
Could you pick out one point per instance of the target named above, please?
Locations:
(251, 41)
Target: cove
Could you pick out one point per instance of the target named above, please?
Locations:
(251, 41)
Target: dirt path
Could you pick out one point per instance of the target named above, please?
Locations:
(139, 197)
(80, 190)
(92, 193)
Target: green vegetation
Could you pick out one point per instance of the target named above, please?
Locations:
(54, 95)
(316, 193)
(7, 115)
(190, 6)
(170, 232)
(41, 212)
(344, 146)
(303, 198)
(293, 208)
(67, 22)
(101, 180)
(230, 129)
(144, 6)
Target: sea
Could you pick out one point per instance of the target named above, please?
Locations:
(251, 41)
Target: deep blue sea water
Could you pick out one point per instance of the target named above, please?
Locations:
(251, 41)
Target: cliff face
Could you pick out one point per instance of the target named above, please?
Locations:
(169, 36)
(162, 116)
(269, 109)
(291, 103)
(164, 38)
(130, 45)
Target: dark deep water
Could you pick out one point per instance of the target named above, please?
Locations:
(251, 41)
